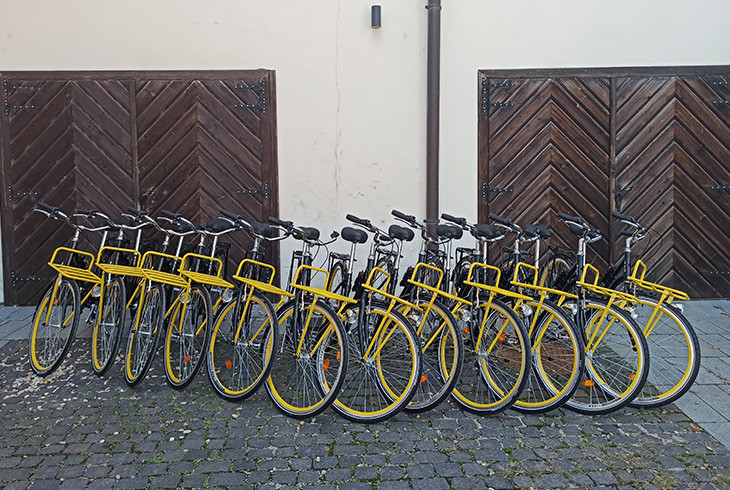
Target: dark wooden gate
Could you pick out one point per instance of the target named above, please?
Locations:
(193, 141)
(652, 143)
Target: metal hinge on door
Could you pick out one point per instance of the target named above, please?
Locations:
(259, 89)
(257, 191)
(487, 191)
(10, 89)
(486, 93)
(14, 195)
(721, 188)
(16, 279)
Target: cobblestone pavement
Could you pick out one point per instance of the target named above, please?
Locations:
(76, 430)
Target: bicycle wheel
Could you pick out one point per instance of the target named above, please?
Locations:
(54, 326)
(383, 367)
(108, 326)
(242, 346)
(144, 334)
(442, 356)
(557, 274)
(558, 355)
(336, 281)
(186, 338)
(496, 357)
(617, 360)
(675, 353)
(311, 360)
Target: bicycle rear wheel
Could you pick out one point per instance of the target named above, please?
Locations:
(496, 357)
(242, 346)
(144, 334)
(108, 326)
(54, 326)
(558, 356)
(311, 360)
(186, 338)
(617, 360)
(383, 367)
(675, 354)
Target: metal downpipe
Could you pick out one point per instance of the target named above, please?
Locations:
(432, 112)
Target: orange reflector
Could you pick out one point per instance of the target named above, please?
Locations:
(55, 302)
(424, 378)
(589, 382)
(326, 364)
(338, 355)
(467, 330)
(632, 376)
(187, 359)
(501, 338)
(229, 364)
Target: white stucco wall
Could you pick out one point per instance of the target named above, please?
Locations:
(351, 100)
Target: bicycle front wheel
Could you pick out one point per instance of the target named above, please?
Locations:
(384, 364)
(186, 338)
(442, 355)
(674, 349)
(496, 357)
(242, 346)
(557, 357)
(311, 360)
(617, 360)
(108, 326)
(144, 334)
(54, 326)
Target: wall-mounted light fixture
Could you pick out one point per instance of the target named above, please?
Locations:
(375, 17)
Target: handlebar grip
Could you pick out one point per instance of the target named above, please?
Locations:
(622, 217)
(364, 222)
(41, 206)
(453, 219)
(135, 212)
(501, 220)
(567, 217)
(85, 212)
(403, 216)
(169, 214)
(278, 222)
(229, 215)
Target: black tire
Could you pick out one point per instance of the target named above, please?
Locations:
(558, 356)
(377, 388)
(144, 335)
(54, 326)
(495, 371)
(675, 354)
(239, 361)
(617, 361)
(305, 385)
(442, 356)
(108, 326)
(187, 337)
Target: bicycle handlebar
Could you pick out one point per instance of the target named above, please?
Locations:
(459, 221)
(405, 217)
(359, 221)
